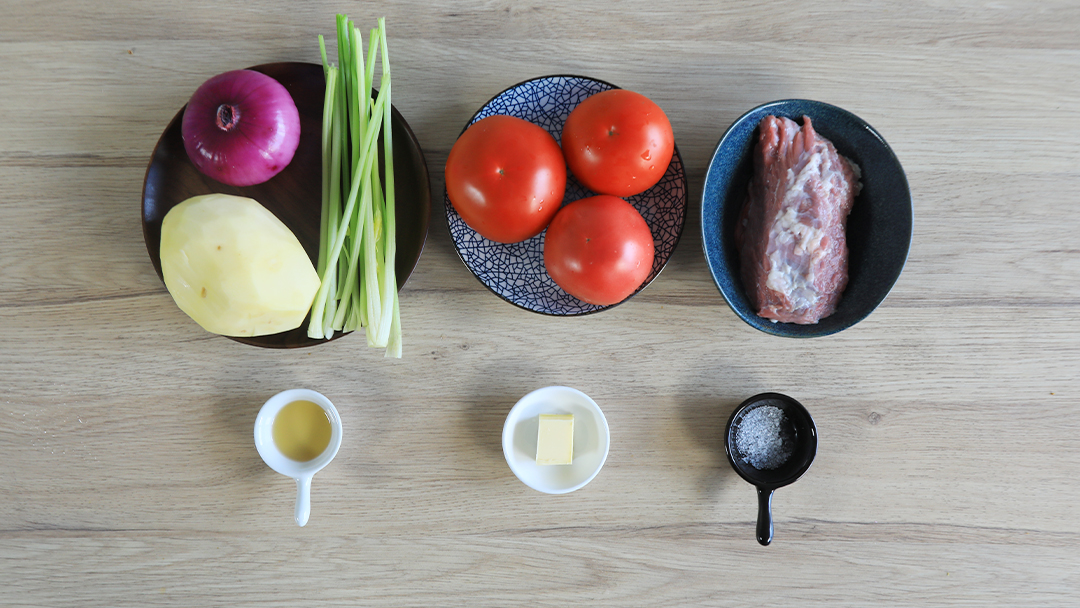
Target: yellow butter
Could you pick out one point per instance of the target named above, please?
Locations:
(555, 439)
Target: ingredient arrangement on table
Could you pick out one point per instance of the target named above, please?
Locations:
(578, 196)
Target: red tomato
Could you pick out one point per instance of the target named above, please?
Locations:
(599, 249)
(506, 176)
(618, 142)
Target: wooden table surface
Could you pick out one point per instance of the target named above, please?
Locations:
(948, 472)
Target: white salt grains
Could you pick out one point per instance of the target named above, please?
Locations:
(763, 438)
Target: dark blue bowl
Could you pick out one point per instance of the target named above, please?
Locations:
(878, 229)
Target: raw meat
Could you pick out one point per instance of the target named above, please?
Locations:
(792, 247)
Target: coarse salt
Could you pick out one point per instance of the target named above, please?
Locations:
(763, 438)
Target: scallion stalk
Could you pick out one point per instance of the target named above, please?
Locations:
(390, 299)
(358, 226)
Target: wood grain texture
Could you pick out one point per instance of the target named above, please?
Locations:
(949, 419)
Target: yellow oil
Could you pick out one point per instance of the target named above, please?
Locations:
(301, 430)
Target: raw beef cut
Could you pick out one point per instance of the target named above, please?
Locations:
(790, 236)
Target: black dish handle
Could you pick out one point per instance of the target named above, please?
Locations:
(764, 516)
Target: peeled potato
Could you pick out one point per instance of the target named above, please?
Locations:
(234, 268)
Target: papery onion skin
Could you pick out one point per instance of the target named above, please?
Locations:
(241, 128)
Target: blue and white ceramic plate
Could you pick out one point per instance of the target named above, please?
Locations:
(515, 272)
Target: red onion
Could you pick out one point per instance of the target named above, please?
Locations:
(241, 128)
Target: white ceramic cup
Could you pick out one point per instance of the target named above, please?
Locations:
(302, 472)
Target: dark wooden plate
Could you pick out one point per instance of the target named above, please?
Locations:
(295, 194)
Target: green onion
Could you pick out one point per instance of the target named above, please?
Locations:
(358, 246)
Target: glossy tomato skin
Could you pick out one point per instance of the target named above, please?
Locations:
(599, 249)
(618, 142)
(506, 177)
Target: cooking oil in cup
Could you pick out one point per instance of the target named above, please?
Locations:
(301, 430)
(297, 433)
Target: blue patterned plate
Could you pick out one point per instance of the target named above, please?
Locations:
(515, 272)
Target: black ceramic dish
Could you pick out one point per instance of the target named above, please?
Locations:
(878, 229)
(804, 435)
(295, 194)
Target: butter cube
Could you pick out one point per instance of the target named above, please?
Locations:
(555, 439)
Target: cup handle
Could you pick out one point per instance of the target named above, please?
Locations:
(764, 516)
(303, 500)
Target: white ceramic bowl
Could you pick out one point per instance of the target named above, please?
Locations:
(591, 439)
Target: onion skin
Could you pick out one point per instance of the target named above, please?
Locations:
(241, 128)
